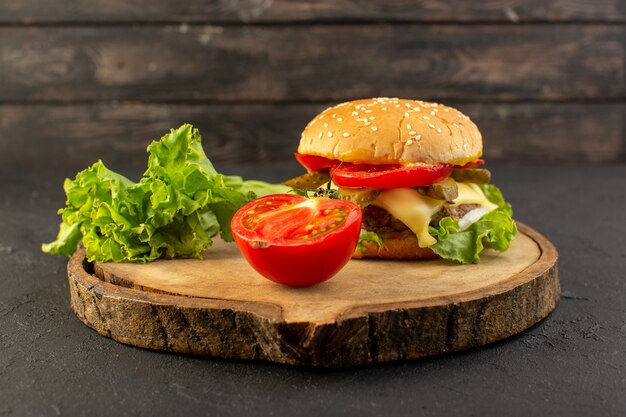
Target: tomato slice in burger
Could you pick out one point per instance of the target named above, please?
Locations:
(389, 176)
(472, 164)
(297, 241)
(315, 163)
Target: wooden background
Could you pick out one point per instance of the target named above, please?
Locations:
(88, 79)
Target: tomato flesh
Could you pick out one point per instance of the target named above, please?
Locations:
(389, 176)
(297, 241)
(314, 163)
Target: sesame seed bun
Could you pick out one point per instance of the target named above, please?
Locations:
(391, 130)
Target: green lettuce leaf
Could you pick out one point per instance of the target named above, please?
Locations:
(495, 230)
(368, 237)
(175, 210)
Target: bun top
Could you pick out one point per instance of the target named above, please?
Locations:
(392, 131)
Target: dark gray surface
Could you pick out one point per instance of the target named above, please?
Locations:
(574, 363)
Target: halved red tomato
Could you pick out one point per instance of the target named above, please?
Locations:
(297, 241)
(389, 176)
(315, 163)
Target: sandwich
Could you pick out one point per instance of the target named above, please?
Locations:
(414, 168)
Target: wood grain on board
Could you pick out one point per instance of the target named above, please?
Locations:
(311, 63)
(372, 311)
(513, 11)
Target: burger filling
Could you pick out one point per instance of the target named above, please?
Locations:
(409, 207)
(455, 217)
(380, 221)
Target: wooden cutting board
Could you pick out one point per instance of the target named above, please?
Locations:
(372, 311)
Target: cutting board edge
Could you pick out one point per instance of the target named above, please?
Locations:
(359, 336)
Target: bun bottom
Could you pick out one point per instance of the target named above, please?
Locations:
(400, 247)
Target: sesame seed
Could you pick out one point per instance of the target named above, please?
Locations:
(322, 116)
(384, 108)
(346, 134)
(438, 130)
(408, 126)
(367, 123)
(397, 105)
(409, 142)
(446, 109)
(407, 104)
(406, 114)
(432, 126)
(320, 135)
(355, 113)
(372, 117)
(334, 115)
(330, 134)
(368, 111)
(339, 119)
(426, 117)
(412, 133)
(374, 128)
(432, 113)
(418, 137)
(325, 124)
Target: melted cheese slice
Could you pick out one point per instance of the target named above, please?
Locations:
(412, 209)
(470, 193)
(416, 210)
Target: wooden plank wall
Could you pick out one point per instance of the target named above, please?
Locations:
(88, 79)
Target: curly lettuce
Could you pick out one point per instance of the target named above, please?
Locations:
(495, 230)
(368, 237)
(174, 211)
